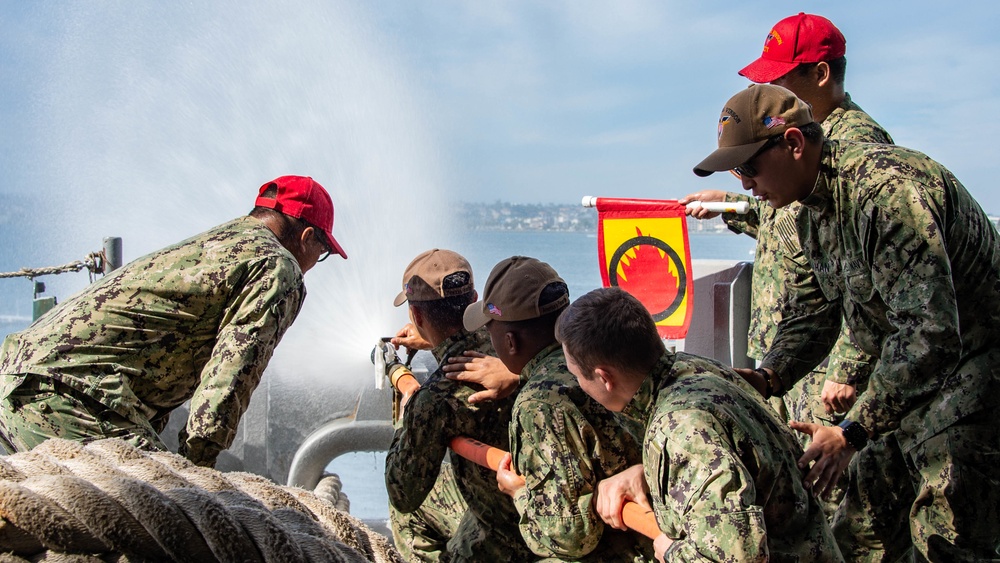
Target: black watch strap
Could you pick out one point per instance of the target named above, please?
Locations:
(855, 434)
(768, 386)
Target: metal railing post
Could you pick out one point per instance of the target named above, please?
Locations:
(112, 253)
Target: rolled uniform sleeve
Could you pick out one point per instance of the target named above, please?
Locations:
(747, 223)
(849, 365)
(264, 304)
(417, 450)
(556, 504)
(706, 495)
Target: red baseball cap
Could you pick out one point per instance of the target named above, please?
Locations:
(303, 198)
(803, 38)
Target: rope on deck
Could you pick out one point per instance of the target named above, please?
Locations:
(108, 501)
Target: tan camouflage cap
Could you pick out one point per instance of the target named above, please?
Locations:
(424, 277)
(512, 293)
(748, 120)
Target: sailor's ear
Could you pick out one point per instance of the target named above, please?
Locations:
(606, 376)
(511, 342)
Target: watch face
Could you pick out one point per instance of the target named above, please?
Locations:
(855, 434)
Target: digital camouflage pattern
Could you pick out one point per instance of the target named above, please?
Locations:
(721, 469)
(563, 443)
(874, 523)
(436, 413)
(778, 261)
(197, 320)
(906, 256)
(423, 535)
(779, 253)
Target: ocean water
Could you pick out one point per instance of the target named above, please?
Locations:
(574, 256)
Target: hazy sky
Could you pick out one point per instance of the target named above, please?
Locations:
(546, 101)
(534, 101)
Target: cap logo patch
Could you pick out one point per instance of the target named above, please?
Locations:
(773, 36)
(722, 124)
(409, 290)
(493, 309)
(772, 122)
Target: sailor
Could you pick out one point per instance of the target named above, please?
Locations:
(562, 443)
(197, 320)
(718, 463)
(907, 257)
(806, 54)
(450, 512)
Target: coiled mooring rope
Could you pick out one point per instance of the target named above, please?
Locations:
(107, 501)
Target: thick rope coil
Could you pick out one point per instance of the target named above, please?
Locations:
(108, 501)
(330, 488)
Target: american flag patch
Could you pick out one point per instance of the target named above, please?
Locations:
(493, 309)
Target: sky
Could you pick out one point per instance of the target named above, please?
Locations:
(531, 101)
(154, 121)
(548, 101)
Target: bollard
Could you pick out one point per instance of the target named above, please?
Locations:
(112, 253)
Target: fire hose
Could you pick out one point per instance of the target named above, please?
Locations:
(634, 516)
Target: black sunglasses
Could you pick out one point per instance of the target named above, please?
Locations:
(747, 169)
(321, 237)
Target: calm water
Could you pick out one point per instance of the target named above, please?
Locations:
(574, 256)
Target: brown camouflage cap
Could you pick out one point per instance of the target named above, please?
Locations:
(424, 277)
(748, 120)
(512, 293)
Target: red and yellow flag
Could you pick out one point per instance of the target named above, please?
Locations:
(643, 247)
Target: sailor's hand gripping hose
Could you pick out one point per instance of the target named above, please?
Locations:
(388, 366)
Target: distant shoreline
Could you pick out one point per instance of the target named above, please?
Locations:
(555, 217)
(561, 217)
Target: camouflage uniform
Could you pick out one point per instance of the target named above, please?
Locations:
(436, 413)
(902, 252)
(778, 257)
(422, 535)
(721, 469)
(563, 443)
(197, 320)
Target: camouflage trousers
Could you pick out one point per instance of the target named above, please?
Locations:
(422, 535)
(479, 542)
(804, 403)
(938, 502)
(37, 408)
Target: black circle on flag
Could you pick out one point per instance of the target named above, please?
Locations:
(674, 257)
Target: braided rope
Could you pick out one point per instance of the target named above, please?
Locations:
(94, 262)
(107, 501)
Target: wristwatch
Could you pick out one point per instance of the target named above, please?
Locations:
(854, 433)
(768, 382)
